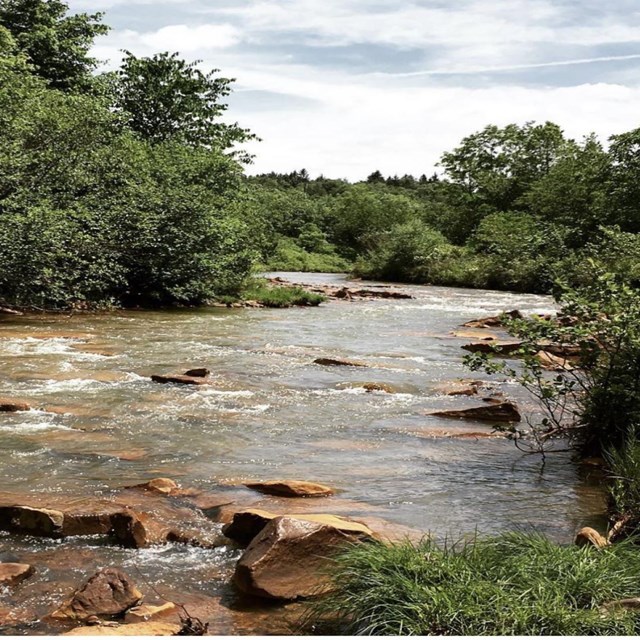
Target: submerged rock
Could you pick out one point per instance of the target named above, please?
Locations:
(179, 379)
(198, 373)
(247, 524)
(499, 412)
(370, 387)
(590, 537)
(286, 560)
(109, 592)
(151, 628)
(291, 488)
(335, 362)
(164, 486)
(11, 573)
(10, 406)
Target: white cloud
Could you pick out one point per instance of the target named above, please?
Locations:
(188, 40)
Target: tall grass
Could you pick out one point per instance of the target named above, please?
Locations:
(514, 584)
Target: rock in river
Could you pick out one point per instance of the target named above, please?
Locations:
(493, 321)
(110, 592)
(247, 524)
(9, 406)
(141, 629)
(179, 379)
(286, 560)
(334, 362)
(502, 412)
(11, 573)
(32, 521)
(291, 488)
(198, 373)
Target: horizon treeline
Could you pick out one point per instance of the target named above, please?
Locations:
(128, 188)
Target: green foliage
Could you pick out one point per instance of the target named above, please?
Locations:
(164, 98)
(281, 297)
(624, 479)
(513, 584)
(289, 256)
(56, 44)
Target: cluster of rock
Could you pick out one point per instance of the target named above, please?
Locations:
(346, 293)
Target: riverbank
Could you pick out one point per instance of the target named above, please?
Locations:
(268, 412)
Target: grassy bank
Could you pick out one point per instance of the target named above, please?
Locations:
(259, 291)
(514, 584)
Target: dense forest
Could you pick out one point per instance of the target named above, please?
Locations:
(130, 188)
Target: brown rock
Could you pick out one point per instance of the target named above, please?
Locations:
(552, 362)
(561, 350)
(131, 530)
(151, 628)
(499, 347)
(630, 604)
(86, 524)
(164, 486)
(502, 412)
(286, 560)
(334, 362)
(8, 406)
(145, 612)
(110, 592)
(460, 387)
(590, 537)
(178, 379)
(370, 387)
(247, 524)
(4, 311)
(12, 573)
(291, 488)
(32, 521)
(493, 321)
(198, 373)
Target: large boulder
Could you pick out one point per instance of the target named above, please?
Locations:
(110, 592)
(500, 412)
(291, 488)
(131, 530)
(11, 573)
(287, 559)
(32, 521)
(246, 525)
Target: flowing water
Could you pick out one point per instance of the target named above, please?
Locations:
(99, 423)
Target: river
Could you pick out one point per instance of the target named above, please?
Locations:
(99, 424)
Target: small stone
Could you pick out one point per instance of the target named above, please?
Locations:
(291, 488)
(13, 573)
(198, 373)
(165, 486)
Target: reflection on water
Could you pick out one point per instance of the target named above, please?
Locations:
(99, 423)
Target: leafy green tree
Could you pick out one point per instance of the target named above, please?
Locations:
(624, 187)
(164, 98)
(56, 44)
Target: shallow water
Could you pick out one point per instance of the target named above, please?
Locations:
(272, 413)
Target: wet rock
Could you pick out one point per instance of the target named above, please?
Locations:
(131, 530)
(247, 524)
(151, 628)
(502, 412)
(383, 293)
(552, 362)
(178, 379)
(370, 387)
(493, 321)
(31, 521)
(110, 592)
(460, 387)
(5, 311)
(86, 524)
(12, 573)
(475, 335)
(499, 347)
(145, 612)
(291, 488)
(286, 560)
(590, 537)
(198, 373)
(9, 406)
(334, 362)
(165, 486)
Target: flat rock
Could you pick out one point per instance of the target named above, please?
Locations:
(335, 362)
(151, 628)
(247, 524)
(493, 321)
(552, 362)
(109, 592)
(12, 573)
(179, 379)
(291, 488)
(500, 347)
(499, 412)
(9, 406)
(285, 561)
(145, 612)
(164, 486)
(459, 387)
(590, 537)
(32, 521)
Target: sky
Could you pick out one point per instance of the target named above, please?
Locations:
(346, 87)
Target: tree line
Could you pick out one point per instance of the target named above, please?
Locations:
(127, 188)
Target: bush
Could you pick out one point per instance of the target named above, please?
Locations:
(289, 256)
(514, 584)
(282, 297)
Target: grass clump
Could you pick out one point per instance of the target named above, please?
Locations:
(282, 297)
(513, 584)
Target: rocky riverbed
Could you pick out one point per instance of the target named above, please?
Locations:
(160, 445)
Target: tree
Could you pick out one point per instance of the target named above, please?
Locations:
(164, 98)
(56, 44)
(624, 188)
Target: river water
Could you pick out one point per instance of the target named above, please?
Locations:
(100, 423)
